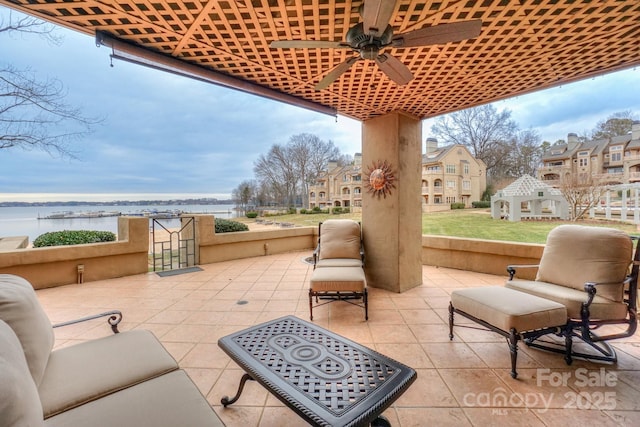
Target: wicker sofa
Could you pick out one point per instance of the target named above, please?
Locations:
(124, 379)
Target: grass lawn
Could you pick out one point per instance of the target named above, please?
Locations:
(471, 223)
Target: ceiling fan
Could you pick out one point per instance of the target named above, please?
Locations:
(369, 37)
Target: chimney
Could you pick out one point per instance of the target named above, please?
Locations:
(357, 159)
(572, 141)
(635, 129)
(431, 145)
(332, 165)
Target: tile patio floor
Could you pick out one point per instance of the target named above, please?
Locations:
(464, 382)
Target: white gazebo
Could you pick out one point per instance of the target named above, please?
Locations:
(532, 192)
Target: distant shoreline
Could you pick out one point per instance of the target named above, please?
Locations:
(173, 202)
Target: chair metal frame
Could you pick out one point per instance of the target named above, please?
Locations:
(584, 328)
(332, 296)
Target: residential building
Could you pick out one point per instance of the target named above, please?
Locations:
(609, 161)
(450, 175)
(339, 186)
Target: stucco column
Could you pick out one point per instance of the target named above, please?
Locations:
(392, 225)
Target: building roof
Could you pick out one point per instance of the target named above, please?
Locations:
(522, 47)
(527, 185)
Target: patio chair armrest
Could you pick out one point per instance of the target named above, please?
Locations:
(591, 288)
(115, 316)
(511, 269)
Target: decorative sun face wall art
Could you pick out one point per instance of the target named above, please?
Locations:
(379, 179)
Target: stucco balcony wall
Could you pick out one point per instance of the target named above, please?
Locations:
(55, 266)
(481, 256)
(237, 245)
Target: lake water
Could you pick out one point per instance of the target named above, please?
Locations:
(28, 221)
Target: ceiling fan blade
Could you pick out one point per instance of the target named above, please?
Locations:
(394, 69)
(307, 44)
(336, 72)
(376, 15)
(439, 34)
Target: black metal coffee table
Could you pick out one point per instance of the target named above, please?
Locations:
(325, 378)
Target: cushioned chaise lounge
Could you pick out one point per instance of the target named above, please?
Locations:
(338, 262)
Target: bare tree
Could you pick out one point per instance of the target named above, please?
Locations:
(582, 192)
(288, 170)
(277, 170)
(243, 194)
(33, 114)
(615, 125)
(487, 132)
(310, 155)
(526, 154)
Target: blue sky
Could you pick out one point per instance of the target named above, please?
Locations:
(164, 134)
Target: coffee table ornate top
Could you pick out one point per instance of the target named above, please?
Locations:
(327, 379)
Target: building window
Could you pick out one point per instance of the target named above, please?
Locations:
(451, 169)
(466, 169)
(357, 190)
(616, 157)
(451, 183)
(437, 200)
(357, 178)
(345, 178)
(313, 194)
(451, 199)
(583, 162)
(466, 185)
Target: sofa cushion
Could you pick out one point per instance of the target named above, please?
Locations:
(572, 299)
(169, 400)
(340, 238)
(92, 369)
(576, 254)
(20, 308)
(19, 401)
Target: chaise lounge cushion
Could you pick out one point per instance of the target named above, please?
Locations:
(19, 401)
(505, 308)
(20, 308)
(338, 279)
(339, 262)
(92, 369)
(340, 238)
(170, 400)
(576, 254)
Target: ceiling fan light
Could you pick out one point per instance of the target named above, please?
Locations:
(369, 52)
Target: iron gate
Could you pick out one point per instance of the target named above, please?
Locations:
(173, 249)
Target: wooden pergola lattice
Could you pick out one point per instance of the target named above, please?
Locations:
(524, 46)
